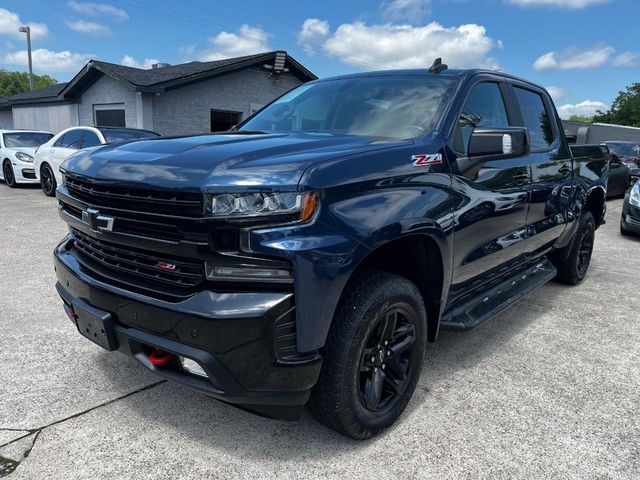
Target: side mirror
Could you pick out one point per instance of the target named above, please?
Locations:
(499, 142)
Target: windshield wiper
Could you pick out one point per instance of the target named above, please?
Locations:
(244, 132)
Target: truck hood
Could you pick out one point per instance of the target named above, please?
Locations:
(232, 161)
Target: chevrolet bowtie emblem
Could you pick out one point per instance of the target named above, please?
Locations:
(97, 222)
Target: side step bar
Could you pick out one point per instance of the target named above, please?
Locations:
(483, 307)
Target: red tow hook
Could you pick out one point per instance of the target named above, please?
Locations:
(160, 357)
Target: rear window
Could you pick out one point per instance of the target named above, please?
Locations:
(536, 119)
(116, 135)
(25, 139)
(625, 149)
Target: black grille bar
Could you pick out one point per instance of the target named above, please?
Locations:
(165, 202)
(184, 274)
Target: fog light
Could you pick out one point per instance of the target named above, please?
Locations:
(219, 272)
(192, 367)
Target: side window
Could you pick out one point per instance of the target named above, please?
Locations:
(71, 139)
(58, 143)
(536, 118)
(90, 139)
(484, 107)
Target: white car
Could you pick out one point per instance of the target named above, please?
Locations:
(17, 148)
(51, 155)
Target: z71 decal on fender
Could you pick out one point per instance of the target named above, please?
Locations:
(424, 160)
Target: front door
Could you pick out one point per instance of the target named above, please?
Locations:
(490, 215)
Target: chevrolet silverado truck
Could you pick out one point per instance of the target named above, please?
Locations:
(307, 256)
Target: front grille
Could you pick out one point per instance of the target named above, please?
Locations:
(125, 264)
(163, 202)
(145, 229)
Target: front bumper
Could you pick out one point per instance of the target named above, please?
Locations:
(233, 336)
(630, 217)
(24, 173)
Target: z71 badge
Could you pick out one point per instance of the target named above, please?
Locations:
(424, 160)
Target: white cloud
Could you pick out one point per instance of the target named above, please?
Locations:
(95, 9)
(10, 22)
(586, 108)
(404, 46)
(47, 61)
(312, 33)
(146, 64)
(406, 11)
(557, 93)
(573, 4)
(627, 59)
(91, 28)
(247, 41)
(574, 58)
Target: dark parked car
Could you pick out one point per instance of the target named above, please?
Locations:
(630, 221)
(310, 255)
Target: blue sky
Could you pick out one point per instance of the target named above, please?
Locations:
(587, 50)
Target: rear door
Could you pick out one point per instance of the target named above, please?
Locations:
(551, 167)
(66, 145)
(490, 217)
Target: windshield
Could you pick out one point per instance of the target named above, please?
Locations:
(625, 149)
(116, 135)
(392, 107)
(25, 139)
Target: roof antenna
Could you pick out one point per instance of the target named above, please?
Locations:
(437, 66)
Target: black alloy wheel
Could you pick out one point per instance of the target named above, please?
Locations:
(47, 181)
(9, 177)
(387, 359)
(572, 261)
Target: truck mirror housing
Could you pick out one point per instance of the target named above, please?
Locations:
(499, 142)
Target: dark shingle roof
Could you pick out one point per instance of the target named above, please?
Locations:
(140, 77)
(173, 76)
(40, 95)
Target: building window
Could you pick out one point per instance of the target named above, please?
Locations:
(223, 120)
(109, 115)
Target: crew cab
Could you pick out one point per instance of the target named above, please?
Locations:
(307, 257)
(17, 148)
(50, 156)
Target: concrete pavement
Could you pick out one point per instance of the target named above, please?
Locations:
(549, 389)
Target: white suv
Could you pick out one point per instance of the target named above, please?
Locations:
(17, 148)
(50, 156)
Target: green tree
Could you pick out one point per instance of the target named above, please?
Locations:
(580, 118)
(18, 82)
(625, 109)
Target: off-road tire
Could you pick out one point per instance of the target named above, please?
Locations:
(336, 400)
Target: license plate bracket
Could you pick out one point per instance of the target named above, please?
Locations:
(95, 324)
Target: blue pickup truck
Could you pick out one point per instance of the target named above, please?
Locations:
(308, 256)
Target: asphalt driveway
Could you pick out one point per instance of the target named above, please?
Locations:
(549, 389)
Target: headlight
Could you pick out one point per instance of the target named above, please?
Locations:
(634, 197)
(24, 157)
(238, 205)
